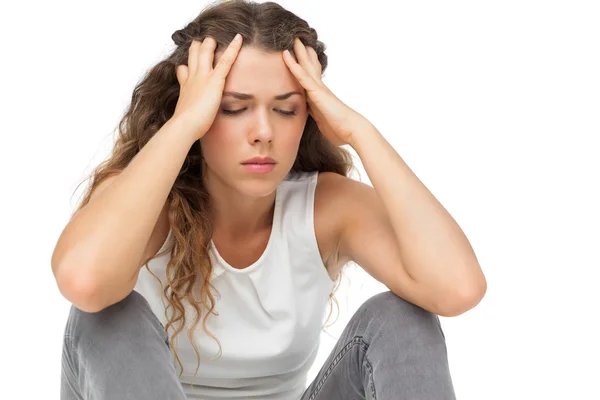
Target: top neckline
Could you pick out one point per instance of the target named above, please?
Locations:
(257, 263)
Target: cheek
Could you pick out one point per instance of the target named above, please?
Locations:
(299, 131)
(291, 143)
(221, 134)
(216, 147)
(297, 137)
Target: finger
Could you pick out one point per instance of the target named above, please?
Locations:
(303, 57)
(181, 71)
(206, 55)
(301, 75)
(192, 57)
(228, 58)
(315, 60)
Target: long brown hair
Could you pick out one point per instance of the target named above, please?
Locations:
(266, 26)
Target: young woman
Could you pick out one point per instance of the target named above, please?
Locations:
(202, 258)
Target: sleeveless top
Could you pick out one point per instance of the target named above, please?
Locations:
(270, 314)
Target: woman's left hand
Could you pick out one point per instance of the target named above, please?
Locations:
(336, 121)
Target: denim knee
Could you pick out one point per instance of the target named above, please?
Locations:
(131, 317)
(388, 311)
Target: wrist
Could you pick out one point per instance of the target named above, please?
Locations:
(182, 127)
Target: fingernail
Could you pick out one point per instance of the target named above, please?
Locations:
(237, 37)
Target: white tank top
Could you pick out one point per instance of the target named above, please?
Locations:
(270, 314)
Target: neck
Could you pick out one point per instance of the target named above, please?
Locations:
(238, 216)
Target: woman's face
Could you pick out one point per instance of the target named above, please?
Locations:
(263, 124)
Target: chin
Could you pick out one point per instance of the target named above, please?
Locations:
(260, 185)
(256, 187)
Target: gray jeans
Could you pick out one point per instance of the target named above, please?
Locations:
(390, 349)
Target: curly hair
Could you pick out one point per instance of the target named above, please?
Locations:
(266, 26)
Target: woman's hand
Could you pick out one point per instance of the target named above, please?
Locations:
(336, 121)
(201, 86)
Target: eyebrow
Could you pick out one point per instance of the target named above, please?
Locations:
(246, 96)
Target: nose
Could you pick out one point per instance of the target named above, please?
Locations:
(263, 129)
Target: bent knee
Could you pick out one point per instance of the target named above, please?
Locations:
(401, 316)
(131, 316)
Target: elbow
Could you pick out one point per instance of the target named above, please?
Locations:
(466, 300)
(79, 289)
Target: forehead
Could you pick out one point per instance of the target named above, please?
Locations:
(261, 73)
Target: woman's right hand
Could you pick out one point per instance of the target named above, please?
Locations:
(201, 86)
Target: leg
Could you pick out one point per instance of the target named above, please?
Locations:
(120, 352)
(391, 349)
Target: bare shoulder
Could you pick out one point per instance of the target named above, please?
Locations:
(332, 206)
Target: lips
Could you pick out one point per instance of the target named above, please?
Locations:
(256, 168)
(259, 160)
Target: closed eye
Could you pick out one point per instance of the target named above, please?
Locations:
(234, 112)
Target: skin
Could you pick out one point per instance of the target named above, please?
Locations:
(243, 201)
(368, 225)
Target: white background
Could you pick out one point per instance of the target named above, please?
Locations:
(494, 105)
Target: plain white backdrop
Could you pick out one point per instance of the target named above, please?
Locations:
(494, 105)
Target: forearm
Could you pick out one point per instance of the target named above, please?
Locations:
(435, 251)
(103, 244)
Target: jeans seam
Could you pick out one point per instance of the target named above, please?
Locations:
(68, 341)
(72, 363)
(357, 340)
(371, 380)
